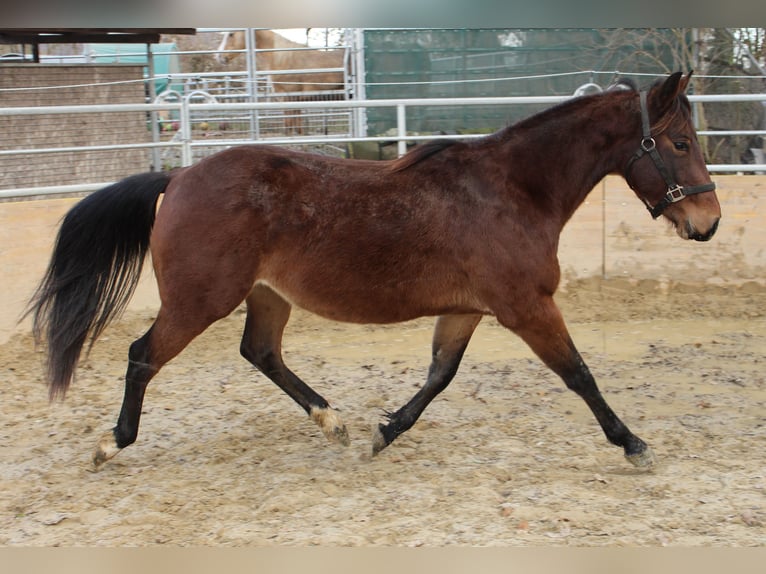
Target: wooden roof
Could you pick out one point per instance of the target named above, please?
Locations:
(37, 36)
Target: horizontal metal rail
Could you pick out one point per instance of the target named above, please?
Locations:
(52, 190)
(5, 152)
(88, 109)
(407, 102)
(401, 138)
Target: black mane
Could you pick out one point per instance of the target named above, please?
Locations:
(422, 152)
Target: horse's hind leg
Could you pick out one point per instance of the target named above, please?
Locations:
(167, 337)
(451, 336)
(140, 372)
(267, 315)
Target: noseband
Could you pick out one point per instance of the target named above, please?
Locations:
(649, 146)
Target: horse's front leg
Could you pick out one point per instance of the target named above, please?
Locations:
(542, 327)
(451, 336)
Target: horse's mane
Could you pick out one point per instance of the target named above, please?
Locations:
(420, 153)
(434, 147)
(431, 148)
(682, 102)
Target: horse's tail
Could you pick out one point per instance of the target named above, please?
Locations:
(94, 270)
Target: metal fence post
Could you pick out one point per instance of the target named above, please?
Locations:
(401, 129)
(186, 131)
(252, 81)
(359, 125)
(152, 90)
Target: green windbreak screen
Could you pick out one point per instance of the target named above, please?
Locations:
(428, 63)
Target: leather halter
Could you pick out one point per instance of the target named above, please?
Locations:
(649, 146)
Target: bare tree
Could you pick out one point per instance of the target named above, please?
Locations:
(733, 66)
(724, 60)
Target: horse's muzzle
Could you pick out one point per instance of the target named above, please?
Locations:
(697, 236)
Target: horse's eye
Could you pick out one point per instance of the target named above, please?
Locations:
(681, 146)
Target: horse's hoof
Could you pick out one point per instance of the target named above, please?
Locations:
(105, 449)
(378, 440)
(331, 424)
(644, 460)
(339, 435)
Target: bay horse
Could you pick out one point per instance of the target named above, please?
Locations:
(456, 230)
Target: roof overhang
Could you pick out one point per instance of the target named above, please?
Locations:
(37, 36)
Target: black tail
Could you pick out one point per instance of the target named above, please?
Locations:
(94, 270)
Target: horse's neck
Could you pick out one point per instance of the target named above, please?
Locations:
(566, 152)
(266, 39)
(280, 59)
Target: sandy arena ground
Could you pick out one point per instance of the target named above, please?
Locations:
(675, 336)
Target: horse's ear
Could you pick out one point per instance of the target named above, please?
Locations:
(666, 93)
(684, 85)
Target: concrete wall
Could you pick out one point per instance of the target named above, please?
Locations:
(612, 234)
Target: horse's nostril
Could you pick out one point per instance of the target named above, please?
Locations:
(705, 236)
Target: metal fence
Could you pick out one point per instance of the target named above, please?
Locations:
(198, 127)
(204, 106)
(269, 68)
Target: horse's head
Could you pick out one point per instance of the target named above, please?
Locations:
(224, 57)
(667, 171)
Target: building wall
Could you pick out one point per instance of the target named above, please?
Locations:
(55, 85)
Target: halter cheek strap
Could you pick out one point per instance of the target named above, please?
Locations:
(649, 146)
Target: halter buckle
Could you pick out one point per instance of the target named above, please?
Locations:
(675, 194)
(648, 144)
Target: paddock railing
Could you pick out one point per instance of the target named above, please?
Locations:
(198, 124)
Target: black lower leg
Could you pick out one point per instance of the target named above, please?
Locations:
(451, 338)
(270, 364)
(546, 334)
(273, 367)
(582, 382)
(138, 375)
(439, 377)
(267, 315)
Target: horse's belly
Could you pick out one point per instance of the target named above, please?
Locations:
(376, 304)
